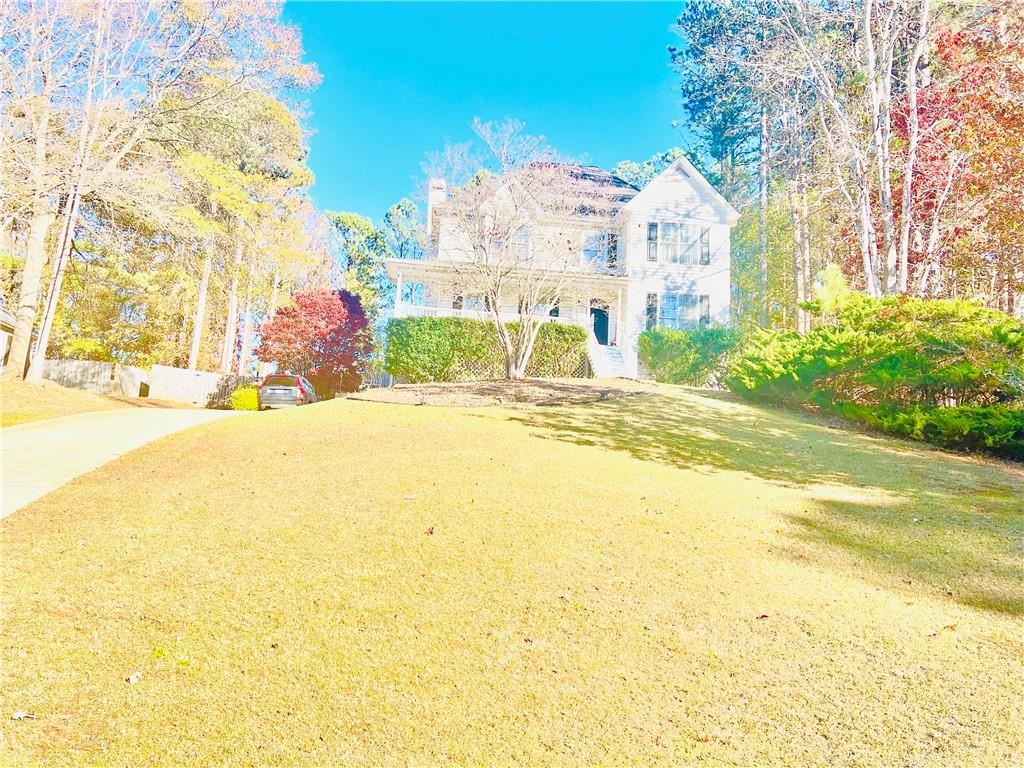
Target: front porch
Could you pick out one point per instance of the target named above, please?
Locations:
(596, 303)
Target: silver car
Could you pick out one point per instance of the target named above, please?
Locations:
(281, 390)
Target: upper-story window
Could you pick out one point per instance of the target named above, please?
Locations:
(676, 243)
(601, 250)
(671, 243)
(521, 243)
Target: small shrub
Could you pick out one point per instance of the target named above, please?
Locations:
(244, 399)
(697, 357)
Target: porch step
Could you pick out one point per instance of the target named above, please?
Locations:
(607, 362)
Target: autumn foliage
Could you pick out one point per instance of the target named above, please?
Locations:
(323, 336)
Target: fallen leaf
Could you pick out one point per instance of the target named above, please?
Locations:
(763, 616)
(430, 531)
(133, 678)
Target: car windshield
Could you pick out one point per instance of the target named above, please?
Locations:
(280, 381)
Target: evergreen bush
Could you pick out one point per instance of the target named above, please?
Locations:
(949, 372)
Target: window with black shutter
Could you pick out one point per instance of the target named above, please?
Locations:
(652, 310)
(652, 241)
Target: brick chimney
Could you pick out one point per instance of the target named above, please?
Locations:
(437, 192)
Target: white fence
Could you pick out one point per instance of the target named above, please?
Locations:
(196, 387)
(101, 378)
(164, 382)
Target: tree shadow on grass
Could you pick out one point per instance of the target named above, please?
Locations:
(951, 522)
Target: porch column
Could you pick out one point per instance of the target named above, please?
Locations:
(398, 294)
(618, 319)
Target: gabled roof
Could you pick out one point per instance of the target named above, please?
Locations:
(600, 182)
(683, 165)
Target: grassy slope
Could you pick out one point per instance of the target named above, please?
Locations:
(21, 402)
(660, 578)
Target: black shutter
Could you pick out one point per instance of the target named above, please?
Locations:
(705, 246)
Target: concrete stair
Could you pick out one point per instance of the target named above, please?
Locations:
(606, 362)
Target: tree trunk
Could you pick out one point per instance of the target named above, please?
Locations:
(797, 258)
(762, 228)
(197, 325)
(231, 324)
(805, 250)
(913, 134)
(275, 291)
(35, 372)
(28, 302)
(35, 254)
(246, 353)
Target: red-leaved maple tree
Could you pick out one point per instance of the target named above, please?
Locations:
(969, 171)
(324, 335)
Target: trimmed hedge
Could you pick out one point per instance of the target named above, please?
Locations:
(421, 349)
(698, 357)
(949, 372)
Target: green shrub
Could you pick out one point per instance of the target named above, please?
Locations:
(693, 357)
(559, 352)
(423, 349)
(894, 350)
(244, 399)
(949, 372)
(996, 429)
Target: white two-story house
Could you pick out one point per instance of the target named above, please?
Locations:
(662, 259)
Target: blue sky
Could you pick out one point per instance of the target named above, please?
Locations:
(399, 79)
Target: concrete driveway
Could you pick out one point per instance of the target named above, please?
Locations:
(41, 456)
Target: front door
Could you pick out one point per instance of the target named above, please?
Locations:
(599, 321)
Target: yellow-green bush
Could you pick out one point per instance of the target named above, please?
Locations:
(244, 399)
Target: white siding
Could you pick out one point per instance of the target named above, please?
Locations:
(674, 198)
(679, 196)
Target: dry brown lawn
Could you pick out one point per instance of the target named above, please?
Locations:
(655, 577)
(21, 401)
